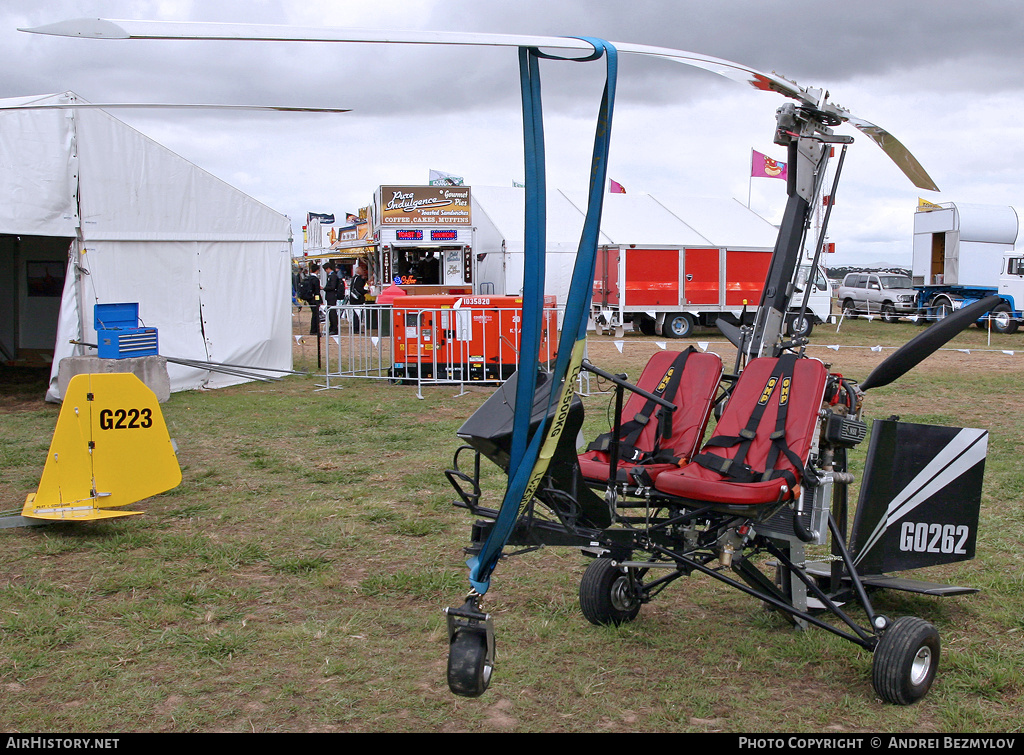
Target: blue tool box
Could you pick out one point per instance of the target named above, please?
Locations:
(118, 335)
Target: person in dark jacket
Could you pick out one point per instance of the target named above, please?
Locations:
(357, 294)
(334, 291)
(315, 299)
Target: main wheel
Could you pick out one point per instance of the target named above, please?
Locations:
(849, 310)
(469, 673)
(1002, 322)
(905, 662)
(679, 325)
(606, 594)
(889, 313)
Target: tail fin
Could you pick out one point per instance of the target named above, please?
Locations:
(920, 497)
(110, 448)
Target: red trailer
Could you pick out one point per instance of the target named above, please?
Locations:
(669, 290)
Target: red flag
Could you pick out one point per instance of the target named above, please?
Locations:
(762, 166)
(614, 187)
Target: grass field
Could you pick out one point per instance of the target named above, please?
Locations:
(295, 580)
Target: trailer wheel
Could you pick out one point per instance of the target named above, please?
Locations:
(469, 673)
(1002, 322)
(606, 594)
(679, 325)
(906, 659)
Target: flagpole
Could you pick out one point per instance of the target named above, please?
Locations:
(750, 177)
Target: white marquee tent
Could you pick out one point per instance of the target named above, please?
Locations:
(87, 199)
(626, 219)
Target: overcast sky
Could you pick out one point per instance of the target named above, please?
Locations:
(942, 76)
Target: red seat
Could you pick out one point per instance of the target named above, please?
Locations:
(697, 482)
(693, 397)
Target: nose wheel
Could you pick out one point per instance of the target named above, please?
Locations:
(470, 648)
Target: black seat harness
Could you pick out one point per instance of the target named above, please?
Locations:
(629, 432)
(780, 383)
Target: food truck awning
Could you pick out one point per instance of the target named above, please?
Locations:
(349, 250)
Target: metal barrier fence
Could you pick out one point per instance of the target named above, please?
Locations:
(429, 346)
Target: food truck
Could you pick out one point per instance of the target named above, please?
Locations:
(424, 236)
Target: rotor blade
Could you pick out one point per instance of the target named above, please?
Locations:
(896, 152)
(169, 106)
(99, 28)
(910, 354)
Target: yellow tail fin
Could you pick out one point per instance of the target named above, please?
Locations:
(110, 448)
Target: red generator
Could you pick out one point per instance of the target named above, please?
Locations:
(462, 338)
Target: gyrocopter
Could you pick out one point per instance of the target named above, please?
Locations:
(651, 500)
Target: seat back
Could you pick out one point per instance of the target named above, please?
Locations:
(766, 381)
(693, 394)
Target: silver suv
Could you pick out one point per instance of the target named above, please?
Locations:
(890, 295)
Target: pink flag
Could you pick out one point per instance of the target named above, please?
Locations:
(615, 187)
(762, 166)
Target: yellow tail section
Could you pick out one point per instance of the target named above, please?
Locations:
(110, 448)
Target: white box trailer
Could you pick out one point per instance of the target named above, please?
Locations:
(965, 252)
(669, 291)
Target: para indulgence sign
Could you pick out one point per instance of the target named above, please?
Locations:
(425, 205)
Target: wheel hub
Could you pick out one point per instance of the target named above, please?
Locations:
(921, 665)
(622, 594)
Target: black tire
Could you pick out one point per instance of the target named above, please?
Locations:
(644, 325)
(606, 594)
(679, 325)
(469, 673)
(799, 326)
(906, 660)
(889, 313)
(1001, 320)
(849, 310)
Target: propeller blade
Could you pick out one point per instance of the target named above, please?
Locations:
(914, 351)
(731, 332)
(99, 28)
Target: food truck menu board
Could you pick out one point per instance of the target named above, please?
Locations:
(425, 205)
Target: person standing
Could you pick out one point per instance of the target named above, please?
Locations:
(334, 291)
(357, 294)
(314, 299)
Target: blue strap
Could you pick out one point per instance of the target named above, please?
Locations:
(522, 471)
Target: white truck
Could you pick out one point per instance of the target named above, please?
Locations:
(669, 291)
(965, 252)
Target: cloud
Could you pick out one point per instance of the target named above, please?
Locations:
(942, 77)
